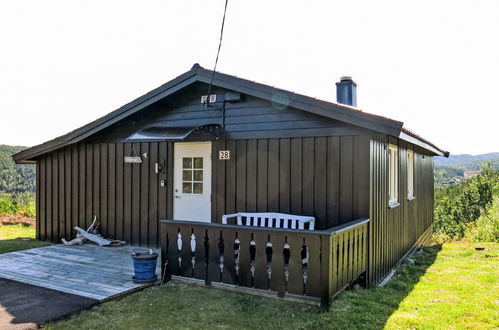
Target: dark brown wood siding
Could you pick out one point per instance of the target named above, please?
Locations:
(79, 182)
(325, 177)
(393, 231)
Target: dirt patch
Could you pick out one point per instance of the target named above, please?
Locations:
(17, 219)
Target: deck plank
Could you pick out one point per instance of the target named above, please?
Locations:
(88, 270)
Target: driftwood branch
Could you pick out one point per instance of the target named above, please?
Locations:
(76, 241)
(91, 237)
(94, 226)
(90, 234)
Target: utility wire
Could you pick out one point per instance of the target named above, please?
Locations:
(218, 52)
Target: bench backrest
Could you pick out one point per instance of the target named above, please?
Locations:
(271, 220)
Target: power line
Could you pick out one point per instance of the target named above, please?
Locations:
(218, 52)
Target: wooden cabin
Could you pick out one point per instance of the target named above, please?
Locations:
(163, 170)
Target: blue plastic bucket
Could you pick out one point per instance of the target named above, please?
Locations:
(145, 267)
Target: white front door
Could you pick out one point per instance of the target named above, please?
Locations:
(192, 181)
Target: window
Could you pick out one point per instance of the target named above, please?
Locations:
(393, 174)
(192, 175)
(410, 174)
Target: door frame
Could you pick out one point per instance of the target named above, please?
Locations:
(210, 145)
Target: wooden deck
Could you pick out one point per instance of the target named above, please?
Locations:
(88, 270)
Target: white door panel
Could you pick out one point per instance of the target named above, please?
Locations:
(192, 181)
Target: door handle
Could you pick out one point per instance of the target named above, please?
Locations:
(177, 196)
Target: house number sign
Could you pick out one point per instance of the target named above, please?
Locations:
(224, 155)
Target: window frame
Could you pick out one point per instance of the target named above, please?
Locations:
(410, 174)
(192, 170)
(393, 175)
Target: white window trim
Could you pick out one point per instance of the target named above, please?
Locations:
(410, 174)
(393, 173)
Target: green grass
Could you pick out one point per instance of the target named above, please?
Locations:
(18, 237)
(450, 286)
(16, 231)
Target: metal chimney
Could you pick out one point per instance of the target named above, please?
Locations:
(346, 91)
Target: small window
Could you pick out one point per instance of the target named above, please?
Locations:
(393, 174)
(213, 98)
(192, 175)
(410, 174)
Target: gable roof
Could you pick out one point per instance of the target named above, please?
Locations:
(331, 110)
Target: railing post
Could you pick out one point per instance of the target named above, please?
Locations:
(165, 275)
(326, 270)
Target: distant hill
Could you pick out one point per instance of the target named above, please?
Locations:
(461, 159)
(452, 170)
(14, 178)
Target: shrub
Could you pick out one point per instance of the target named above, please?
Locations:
(7, 205)
(23, 204)
(459, 206)
(486, 228)
(26, 204)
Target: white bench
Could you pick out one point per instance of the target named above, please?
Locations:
(271, 220)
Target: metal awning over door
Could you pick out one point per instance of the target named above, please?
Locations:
(161, 133)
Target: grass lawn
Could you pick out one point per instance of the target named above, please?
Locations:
(450, 286)
(18, 237)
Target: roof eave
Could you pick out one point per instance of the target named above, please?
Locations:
(326, 109)
(109, 119)
(404, 135)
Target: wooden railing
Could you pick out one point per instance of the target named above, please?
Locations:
(297, 264)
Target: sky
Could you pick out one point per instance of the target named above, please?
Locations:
(432, 64)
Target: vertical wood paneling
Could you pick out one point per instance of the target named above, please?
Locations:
(362, 175)
(346, 178)
(104, 189)
(220, 183)
(120, 192)
(163, 159)
(273, 176)
(96, 182)
(68, 193)
(144, 193)
(74, 187)
(42, 200)
(89, 185)
(230, 182)
(320, 181)
(168, 192)
(251, 170)
(241, 161)
(111, 192)
(48, 199)
(153, 195)
(55, 196)
(333, 181)
(37, 194)
(296, 175)
(284, 175)
(127, 195)
(262, 176)
(61, 196)
(136, 197)
(393, 231)
(308, 176)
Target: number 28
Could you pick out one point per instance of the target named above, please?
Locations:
(224, 154)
